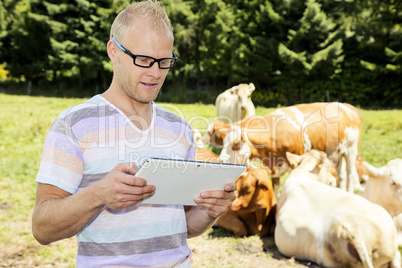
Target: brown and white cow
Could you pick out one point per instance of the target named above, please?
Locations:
(384, 187)
(253, 210)
(198, 141)
(235, 103)
(334, 128)
(332, 227)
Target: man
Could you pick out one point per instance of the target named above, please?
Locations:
(86, 182)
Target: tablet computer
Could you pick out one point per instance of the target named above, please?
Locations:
(178, 182)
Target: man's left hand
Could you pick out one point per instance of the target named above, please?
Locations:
(217, 202)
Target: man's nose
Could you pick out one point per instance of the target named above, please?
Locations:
(155, 71)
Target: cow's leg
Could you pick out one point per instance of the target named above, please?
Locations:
(341, 171)
(353, 176)
(231, 222)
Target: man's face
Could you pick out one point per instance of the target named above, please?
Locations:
(142, 84)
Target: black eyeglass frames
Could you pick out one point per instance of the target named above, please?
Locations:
(146, 61)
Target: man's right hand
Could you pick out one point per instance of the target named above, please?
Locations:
(121, 189)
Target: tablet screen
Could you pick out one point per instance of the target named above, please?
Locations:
(178, 182)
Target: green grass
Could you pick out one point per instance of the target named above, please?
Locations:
(381, 136)
(25, 121)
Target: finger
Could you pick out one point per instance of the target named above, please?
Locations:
(230, 187)
(211, 202)
(126, 198)
(132, 171)
(214, 211)
(130, 168)
(133, 180)
(218, 195)
(143, 190)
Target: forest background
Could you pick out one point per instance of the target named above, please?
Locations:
(292, 50)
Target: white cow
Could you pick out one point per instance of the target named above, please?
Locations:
(235, 103)
(332, 227)
(384, 187)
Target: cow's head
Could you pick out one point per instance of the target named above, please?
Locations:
(235, 147)
(243, 92)
(215, 134)
(388, 181)
(199, 144)
(315, 162)
(254, 191)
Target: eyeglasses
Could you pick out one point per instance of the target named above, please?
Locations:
(146, 61)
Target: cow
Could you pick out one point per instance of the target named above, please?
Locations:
(332, 227)
(253, 210)
(198, 141)
(206, 155)
(384, 187)
(334, 128)
(235, 103)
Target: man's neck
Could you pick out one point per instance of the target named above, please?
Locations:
(140, 114)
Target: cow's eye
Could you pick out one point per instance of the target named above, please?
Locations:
(396, 185)
(263, 187)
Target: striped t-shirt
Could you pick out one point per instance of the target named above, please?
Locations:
(84, 143)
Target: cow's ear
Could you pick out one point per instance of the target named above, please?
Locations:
(294, 159)
(234, 90)
(252, 87)
(376, 172)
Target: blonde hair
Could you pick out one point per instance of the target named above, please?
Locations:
(146, 10)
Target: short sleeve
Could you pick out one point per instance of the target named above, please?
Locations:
(62, 159)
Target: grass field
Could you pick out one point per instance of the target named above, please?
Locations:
(24, 123)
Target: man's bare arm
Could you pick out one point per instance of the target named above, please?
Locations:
(58, 214)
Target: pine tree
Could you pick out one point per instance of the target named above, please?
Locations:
(313, 52)
(28, 40)
(78, 38)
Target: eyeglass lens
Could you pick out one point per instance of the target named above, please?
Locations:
(144, 61)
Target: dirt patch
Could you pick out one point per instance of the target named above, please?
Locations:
(5, 205)
(34, 255)
(220, 249)
(216, 248)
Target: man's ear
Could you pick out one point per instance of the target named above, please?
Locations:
(112, 51)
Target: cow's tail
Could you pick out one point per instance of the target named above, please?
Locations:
(358, 249)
